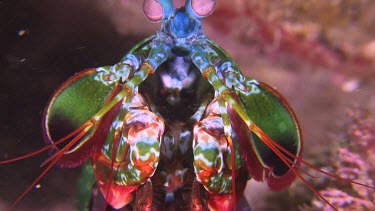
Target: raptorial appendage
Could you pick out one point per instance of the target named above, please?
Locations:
(131, 153)
(213, 161)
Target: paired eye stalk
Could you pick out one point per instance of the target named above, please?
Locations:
(157, 10)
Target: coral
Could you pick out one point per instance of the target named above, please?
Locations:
(344, 201)
(355, 161)
(309, 30)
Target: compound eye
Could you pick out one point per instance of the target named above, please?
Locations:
(203, 8)
(153, 10)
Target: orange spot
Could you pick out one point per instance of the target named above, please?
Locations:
(148, 67)
(208, 71)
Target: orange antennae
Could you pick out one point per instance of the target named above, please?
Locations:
(83, 127)
(26, 156)
(42, 149)
(59, 155)
(273, 146)
(317, 169)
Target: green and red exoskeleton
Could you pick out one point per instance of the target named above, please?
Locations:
(174, 124)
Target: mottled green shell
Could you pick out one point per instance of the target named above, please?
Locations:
(75, 102)
(272, 114)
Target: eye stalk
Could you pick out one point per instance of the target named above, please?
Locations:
(200, 9)
(156, 10)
